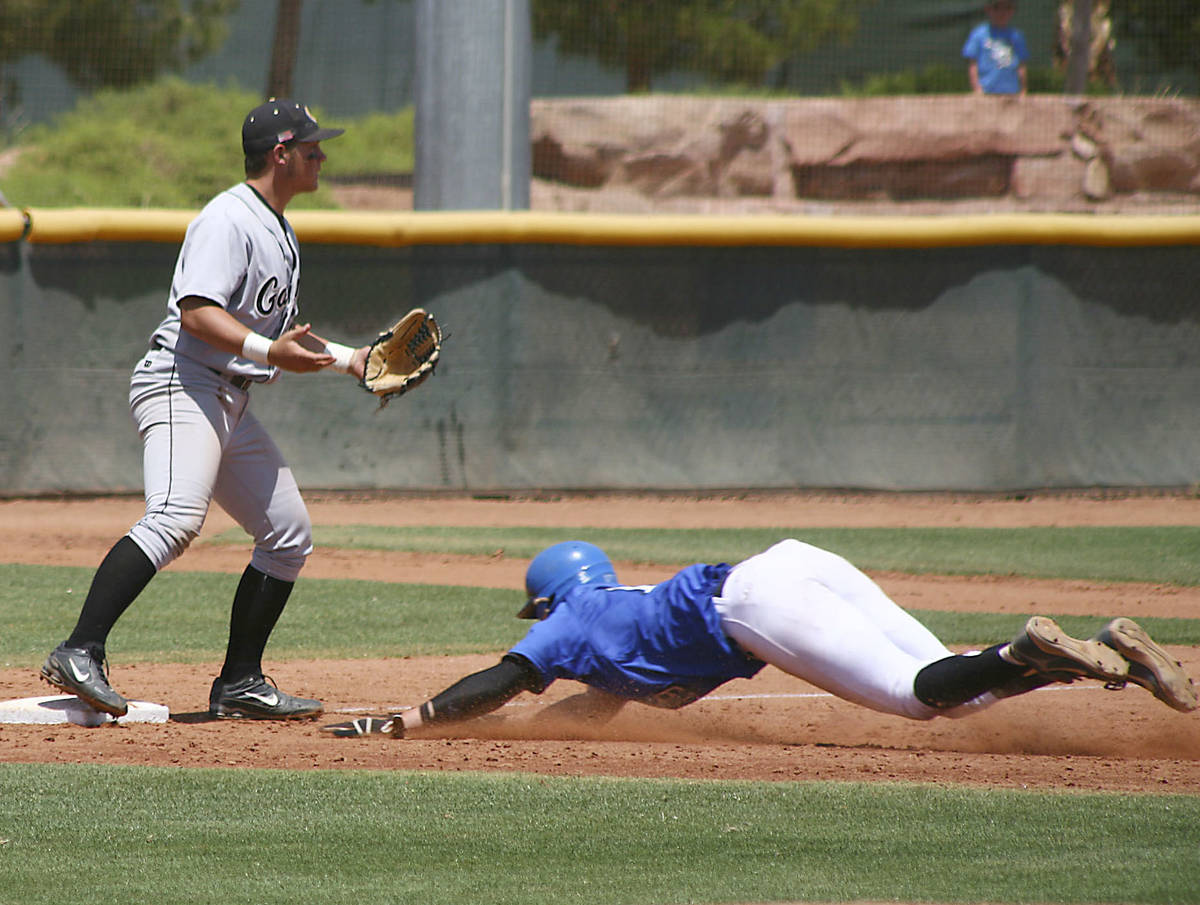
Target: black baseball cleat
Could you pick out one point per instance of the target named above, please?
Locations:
(1049, 651)
(1150, 666)
(77, 672)
(256, 697)
(367, 725)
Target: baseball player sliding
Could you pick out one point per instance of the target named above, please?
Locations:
(231, 324)
(803, 609)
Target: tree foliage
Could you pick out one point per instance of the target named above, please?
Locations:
(737, 41)
(113, 43)
(131, 139)
(1169, 30)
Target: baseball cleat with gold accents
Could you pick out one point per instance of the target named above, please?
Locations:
(1150, 666)
(1049, 651)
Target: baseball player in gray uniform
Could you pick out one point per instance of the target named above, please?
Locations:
(231, 324)
(804, 610)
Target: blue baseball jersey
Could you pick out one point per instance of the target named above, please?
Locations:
(659, 644)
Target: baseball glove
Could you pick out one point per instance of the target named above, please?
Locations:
(403, 357)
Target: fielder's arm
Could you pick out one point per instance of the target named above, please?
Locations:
(347, 359)
(209, 322)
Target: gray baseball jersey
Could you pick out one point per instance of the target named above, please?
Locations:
(243, 256)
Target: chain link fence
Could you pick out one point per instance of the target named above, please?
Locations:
(683, 103)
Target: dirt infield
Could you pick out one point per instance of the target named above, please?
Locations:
(772, 727)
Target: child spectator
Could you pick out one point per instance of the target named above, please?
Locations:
(996, 52)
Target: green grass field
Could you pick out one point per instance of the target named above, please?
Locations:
(264, 836)
(234, 836)
(353, 619)
(1158, 555)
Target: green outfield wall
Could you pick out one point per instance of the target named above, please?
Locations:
(989, 354)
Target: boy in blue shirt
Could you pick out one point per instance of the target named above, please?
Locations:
(996, 52)
(802, 609)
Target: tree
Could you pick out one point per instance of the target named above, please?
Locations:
(1084, 44)
(283, 48)
(737, 41)
(113, 43)
(1169, 30)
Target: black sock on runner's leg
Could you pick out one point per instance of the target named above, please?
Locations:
(957, 679)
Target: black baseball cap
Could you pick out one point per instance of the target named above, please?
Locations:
(280, 121)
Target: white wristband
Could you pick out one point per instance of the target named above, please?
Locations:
(341, 355)
(256, 347)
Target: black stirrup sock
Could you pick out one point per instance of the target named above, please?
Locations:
(257, 605)
(956, 680)
(120, 578)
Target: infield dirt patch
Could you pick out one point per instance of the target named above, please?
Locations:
(773, 727)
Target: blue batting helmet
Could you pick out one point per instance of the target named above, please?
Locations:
(559, 568)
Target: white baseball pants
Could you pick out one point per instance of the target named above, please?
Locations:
(814, 615)
(201, 443)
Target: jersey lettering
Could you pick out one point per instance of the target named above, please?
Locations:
(268, 299)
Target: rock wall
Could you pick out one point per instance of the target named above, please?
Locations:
(1037, 153)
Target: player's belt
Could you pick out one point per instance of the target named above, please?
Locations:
(242, 383)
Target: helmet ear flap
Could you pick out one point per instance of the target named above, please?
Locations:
(535, 608)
